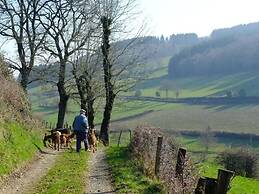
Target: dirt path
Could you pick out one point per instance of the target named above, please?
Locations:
(23, 179)
(99, 179)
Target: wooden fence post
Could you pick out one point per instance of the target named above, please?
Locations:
(180, 162)
(46, 124)
(158, 154)
(119, 139)
(130, 134)
(200, 189)
(211, 186)
(224, 178)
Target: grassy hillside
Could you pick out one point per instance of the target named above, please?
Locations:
(19, 133)
(231, 118)
(200, 85)
(17, 145)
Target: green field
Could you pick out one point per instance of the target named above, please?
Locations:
(239, 185)
(168, 116)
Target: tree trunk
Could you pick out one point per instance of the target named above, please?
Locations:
(62, 106)
(24, 80)
(86, 97)
(109, 88)
(104, 133)
(63, 96)
(90, 104)
(83, 104)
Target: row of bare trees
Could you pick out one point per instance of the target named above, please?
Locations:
(78, 36)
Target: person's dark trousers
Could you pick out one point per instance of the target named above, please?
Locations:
(81, 136)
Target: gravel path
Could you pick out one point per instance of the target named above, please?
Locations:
(23, 179)
(99, 179)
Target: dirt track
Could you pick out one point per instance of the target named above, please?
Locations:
(99, 179)
(23, 179)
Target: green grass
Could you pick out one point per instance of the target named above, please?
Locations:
(188, 87)
(127, 175)
(67, 176)
(17, 146)
(239, 185)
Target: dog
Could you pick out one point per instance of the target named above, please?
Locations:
(53, 140)
(66, 139)
(47, 138)
(56, 139)
(92, 140)
(63, 140)
(61, 130)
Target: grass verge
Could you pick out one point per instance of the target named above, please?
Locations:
(239, 185)
(129, 178)
(67, 176)
(17, 146)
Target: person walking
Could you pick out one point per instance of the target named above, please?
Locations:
(80, 126)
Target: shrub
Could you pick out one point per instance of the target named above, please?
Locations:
(13, 100)
(242, 93)
(4, 70)
(242, 161)
(229, 93)
(138, 93)
(143, 147)
(158, 94)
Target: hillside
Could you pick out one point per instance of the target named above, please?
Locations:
(18, 136)
(226, 51)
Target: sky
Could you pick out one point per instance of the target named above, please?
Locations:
(199, 16)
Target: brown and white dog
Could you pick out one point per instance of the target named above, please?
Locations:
(53, 139)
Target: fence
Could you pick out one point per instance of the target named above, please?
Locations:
(120, 137)
(52, 125)
(164, 159)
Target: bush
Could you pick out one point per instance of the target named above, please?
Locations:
(143, 147)
(4, 70)
(242, 161)
(13, 101)
(138, 93)
(229, 93)
(242, 93)
(158, 94)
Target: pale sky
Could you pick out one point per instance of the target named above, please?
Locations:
(199, 16)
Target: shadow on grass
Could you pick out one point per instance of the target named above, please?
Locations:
(40, 150)
(222, 107)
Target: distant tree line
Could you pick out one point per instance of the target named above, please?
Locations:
(226, 51)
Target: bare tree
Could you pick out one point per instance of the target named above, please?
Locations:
(68, 24)
(207, 139)
(87, 73)
(20, 23)
(115, 17)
